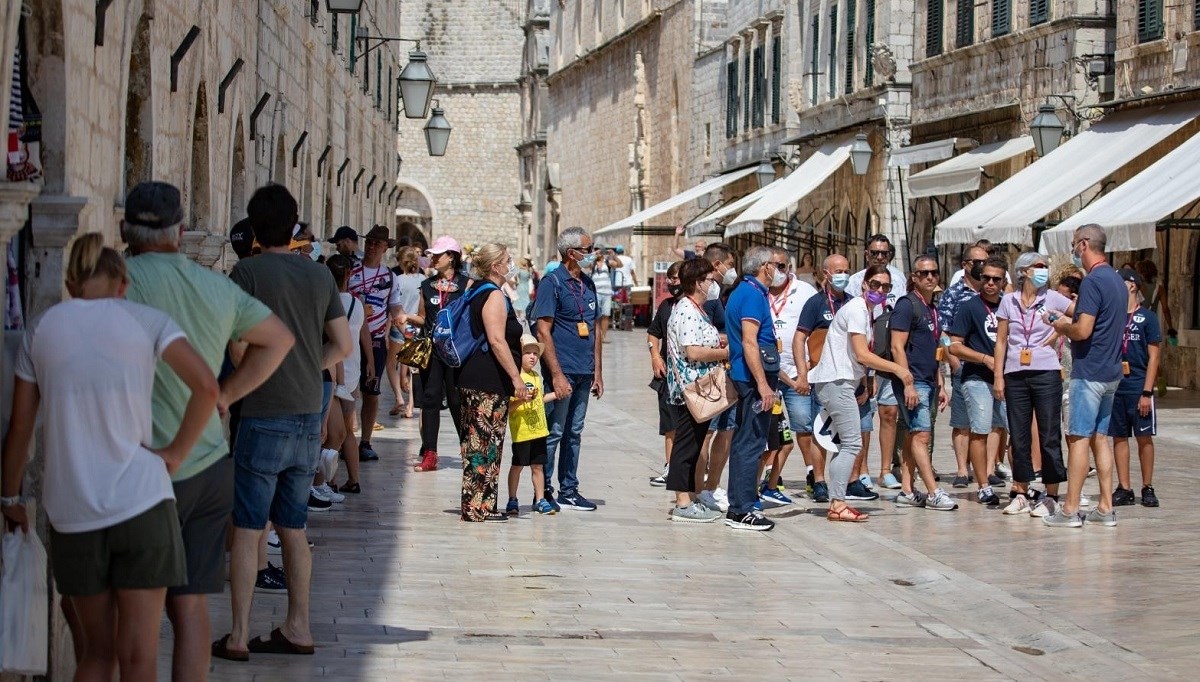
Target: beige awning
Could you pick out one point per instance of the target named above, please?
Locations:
(962, 173)
(676, 201)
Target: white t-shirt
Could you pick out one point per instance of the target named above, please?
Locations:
(624, 274)
(351, 368)
(785, 312)
(837, 359)
(377, 288)
(93, 362)
(601, 278)
(899, 284)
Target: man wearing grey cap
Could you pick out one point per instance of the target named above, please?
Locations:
(213, 312)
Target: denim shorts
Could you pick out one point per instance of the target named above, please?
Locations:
(884, 395)
(920, 418)
(274, 462)
(801, 409)
(1127, 422)
(958, 403)
(980, 401)
(726, 421)
(1091, 407)
(866, 411)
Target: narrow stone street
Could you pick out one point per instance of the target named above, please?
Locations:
(402, 590)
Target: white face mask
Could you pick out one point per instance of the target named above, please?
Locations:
(512, 271)
(316, 251)
(729, 277)
(714, 291)
(778, 279)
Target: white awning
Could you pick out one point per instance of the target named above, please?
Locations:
(1004, 214)
(927, 152)
(1130, 212)
(708, 223)
(962, 173)
(674, 202)
(786, 192)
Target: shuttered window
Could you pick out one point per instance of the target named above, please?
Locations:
(964, 33)
(869, 62)
(1196, 16)
(1149, 20)
(1001, 18)
(776, 77)
(933, 27)
(353, 62)
(1039, 12)
(833, 51)
(851, 20)
(333, 31)
(731, 98)
(746, 92)
(760, 87)
(815, 66)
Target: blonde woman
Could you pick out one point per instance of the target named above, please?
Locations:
(408, 279)
(115, 541)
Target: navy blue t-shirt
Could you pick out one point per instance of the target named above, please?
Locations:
(916, 318)
(816, 313)
(747, 302)
(1142, 330)
(569, 301)
(716, 312)
(975, 322)
(1102, 295)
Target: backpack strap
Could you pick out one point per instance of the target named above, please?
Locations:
(350, 313)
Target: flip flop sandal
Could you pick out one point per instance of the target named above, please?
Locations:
(278, 644)
(220, 649)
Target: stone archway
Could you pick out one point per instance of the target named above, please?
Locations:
(415, 205)
(198, 186)
(409, 232)
(139, 110)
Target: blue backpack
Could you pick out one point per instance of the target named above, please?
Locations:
(452, 336)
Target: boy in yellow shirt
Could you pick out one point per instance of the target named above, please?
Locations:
(527, 423)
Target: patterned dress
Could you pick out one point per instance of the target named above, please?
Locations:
(484, 420)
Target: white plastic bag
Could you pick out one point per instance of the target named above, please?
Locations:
(24, 605)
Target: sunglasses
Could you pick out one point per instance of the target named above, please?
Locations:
(975, 261)
(590, 249)
(876, 285)
(989, 278)
(781, 266)
(927, 273)
(879, 254)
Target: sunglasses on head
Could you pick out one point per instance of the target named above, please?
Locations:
(927, 273)
(876, 285)
(989, 278)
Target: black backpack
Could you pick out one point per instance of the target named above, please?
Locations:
(883, 335)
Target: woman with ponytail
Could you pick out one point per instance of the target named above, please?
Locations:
(115, 540)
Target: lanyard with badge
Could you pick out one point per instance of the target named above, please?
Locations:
(939, 355)
(777, 310)
(1125, 345)
(581, 326)
(1027, 329)
(368, 286)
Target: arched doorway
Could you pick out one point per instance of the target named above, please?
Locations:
(415, 205)
(198, 187)
(139, 110)
(409, 233)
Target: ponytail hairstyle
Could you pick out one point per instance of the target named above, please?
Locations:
(90, 258)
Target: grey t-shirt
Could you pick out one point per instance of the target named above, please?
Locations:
(303, 294)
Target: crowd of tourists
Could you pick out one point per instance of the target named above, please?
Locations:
(1016, 357)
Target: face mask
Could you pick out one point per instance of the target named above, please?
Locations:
(423, 262)
(875, 297)
(839, 280)
(1040, 277)
(316, 251)
(976, 272)
(1077, 260)
(512, 271)
(778, 279)
(358, 254)
(729, 277)
(714, 291)
(674, 289)
(587, 261)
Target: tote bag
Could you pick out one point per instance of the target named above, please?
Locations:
(710, 395)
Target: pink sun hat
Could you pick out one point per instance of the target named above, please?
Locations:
(442, 245)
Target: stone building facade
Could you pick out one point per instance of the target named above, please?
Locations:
(476, 51)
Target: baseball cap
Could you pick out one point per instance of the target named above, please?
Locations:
(241, 236)
(442, 245)
(1130, 275)
(154, 204)
(344, 232)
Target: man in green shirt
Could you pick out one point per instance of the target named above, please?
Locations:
(214, 312)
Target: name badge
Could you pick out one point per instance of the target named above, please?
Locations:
(940, 354)
(1125, 367)
(582, 328)
(1026, 357)
(779, 345)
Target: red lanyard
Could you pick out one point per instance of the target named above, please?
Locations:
(577, 296)
(441, 285)
(1128, 328)
(937, 327)
(829, 298)
(787, 293)
(1027, 327)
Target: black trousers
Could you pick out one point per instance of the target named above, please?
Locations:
(437, 383)
(685, 452)
(1028, 394)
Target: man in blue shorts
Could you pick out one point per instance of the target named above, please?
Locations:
(1133, 405)
(966, 288)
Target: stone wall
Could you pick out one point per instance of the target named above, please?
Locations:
(1169, 63)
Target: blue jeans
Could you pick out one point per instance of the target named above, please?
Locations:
(749, 443)
(274, 461)
(566, 419)
(1091, 407)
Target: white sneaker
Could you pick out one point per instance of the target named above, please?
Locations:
(865, 479)
(1018, 505)
(274, 546)
(1084, 500)
(1043, 508)
(319, 493)
(722, 499)
(1003, 470)
(940, 501)
(707, 499)
(324, 490)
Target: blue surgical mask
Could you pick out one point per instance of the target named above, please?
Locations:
(587, 261)
(1040, 277)
(316, 251)
(1077, 260)
(839, 280)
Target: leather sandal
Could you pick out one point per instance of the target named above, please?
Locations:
(279, 644)
(847, 513)
(220, 649)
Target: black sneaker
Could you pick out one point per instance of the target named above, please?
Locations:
(1123, 497)
(366, 453)
(316, 504)
(820, 492)
(961, 482)
(271, 580)
(809, 481)
(575, 501)
(752, 520)
(1149, 499)
(994, 480)
(857, 491)
(989, 498)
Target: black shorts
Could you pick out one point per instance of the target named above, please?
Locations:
(379, 354)
(668, 414)
(778, 433)
(529, 452)
(204, 503)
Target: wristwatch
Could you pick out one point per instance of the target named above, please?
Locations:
(1147, 394)
(10, 501)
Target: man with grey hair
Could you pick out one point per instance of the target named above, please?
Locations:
(1096, 333)
(213, 312)
(568, 323)
(754, 367)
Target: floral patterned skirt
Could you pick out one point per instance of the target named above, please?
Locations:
(484, 422)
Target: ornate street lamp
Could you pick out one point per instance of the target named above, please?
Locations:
(437, 132)
(1047, 130)
(416, 85)
(765, 173)
(860, 154)
(344, 6)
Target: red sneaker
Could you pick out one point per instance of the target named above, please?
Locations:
(429, 462)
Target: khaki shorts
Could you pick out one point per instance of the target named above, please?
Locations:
(144, 552)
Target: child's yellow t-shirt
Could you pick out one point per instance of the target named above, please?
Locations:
(527, 419)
